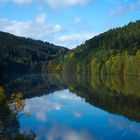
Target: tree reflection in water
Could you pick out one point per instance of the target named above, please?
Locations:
(9, 125)
(114, 94)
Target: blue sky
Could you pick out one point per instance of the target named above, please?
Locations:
(65, 22)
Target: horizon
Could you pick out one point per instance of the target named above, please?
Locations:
(47, 20)
(65, 46)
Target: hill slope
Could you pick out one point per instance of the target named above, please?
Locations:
(116, 51)
(126, 37)
(16, 50)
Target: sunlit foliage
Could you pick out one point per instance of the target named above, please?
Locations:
(116, 51)
(17, 103)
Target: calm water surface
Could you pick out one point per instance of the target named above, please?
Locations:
(78, 111)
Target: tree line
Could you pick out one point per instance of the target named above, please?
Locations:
(116, 51)
(25, 52)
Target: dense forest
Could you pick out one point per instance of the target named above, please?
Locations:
(25, 52)
(116, 51)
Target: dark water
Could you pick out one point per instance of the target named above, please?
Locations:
(75, 107)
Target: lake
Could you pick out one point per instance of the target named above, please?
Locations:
(72, 107)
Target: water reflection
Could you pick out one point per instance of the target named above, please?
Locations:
(120, 124)
(9, 124)
(65, 116)
(71, 107)
(60, 115)
(117, 95)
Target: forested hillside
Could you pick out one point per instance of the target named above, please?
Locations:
(116, 51)
(26, 52)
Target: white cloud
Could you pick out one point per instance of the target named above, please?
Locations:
(46, 108)
(77, 21)
(67, 96)
(40, 29)
(22, 1)
(37, 29)
(65, 3)
(72, 40)
(41, 18)
(40, 106)
(41, 117)
(67, 133)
